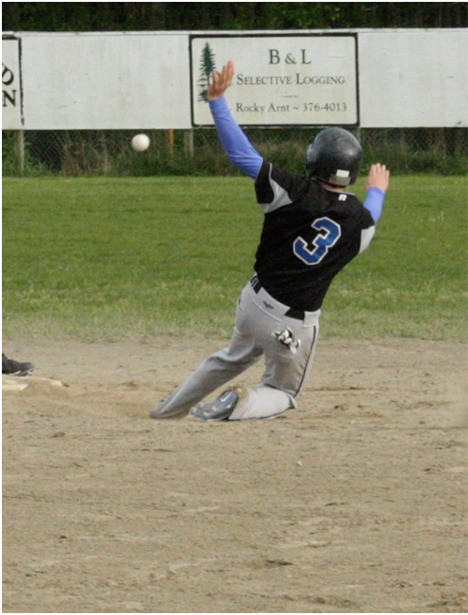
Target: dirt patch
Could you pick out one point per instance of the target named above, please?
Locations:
(355, 502)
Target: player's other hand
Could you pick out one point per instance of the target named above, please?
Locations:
(379, 177)
(220, 81)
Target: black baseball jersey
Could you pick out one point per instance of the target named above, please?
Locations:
(309, 234)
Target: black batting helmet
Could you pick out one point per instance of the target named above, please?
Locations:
(334, 157)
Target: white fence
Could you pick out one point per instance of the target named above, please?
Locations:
(154, 80)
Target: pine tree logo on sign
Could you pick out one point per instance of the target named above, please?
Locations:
(280, 80)
(207, 66)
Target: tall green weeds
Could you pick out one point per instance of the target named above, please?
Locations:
(108, 153)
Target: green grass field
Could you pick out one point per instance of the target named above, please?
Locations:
(98, 258)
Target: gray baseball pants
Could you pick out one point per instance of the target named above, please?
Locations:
(260, 321)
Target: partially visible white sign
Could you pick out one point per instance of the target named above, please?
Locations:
(280, 80)
(105, 80)
(12, 94)
(414, 78)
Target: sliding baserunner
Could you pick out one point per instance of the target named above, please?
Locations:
(312, 228)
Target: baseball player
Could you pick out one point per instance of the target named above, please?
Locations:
(312, 228)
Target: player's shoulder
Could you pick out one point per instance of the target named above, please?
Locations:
(271, 171)
(346, 208)
(345, 199)
(276, 187)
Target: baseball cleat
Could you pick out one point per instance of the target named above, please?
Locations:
(15, 368)
(218, 410)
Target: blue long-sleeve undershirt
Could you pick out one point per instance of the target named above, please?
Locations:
(238, 148)
(243, 155)
(373, 202)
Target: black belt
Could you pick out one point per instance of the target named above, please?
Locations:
(256, 284)
(292, 312)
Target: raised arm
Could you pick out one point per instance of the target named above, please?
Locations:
(238, 148)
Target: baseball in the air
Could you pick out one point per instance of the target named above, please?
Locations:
(140, 142)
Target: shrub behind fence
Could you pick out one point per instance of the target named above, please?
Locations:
(182, 152)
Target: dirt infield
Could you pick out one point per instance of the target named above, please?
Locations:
(355, 502)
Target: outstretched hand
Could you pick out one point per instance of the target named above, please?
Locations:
(378, 177)
(220, 81)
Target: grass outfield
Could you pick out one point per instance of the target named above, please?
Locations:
(96, 258)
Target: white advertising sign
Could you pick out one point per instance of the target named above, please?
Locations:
(100, 81)
(12, 91)
(308, 80)
(414, 78)
(158, 80)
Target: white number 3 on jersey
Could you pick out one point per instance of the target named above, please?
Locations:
(329, 233)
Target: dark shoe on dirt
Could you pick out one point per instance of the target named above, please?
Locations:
(218, 410)
(9, 366)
